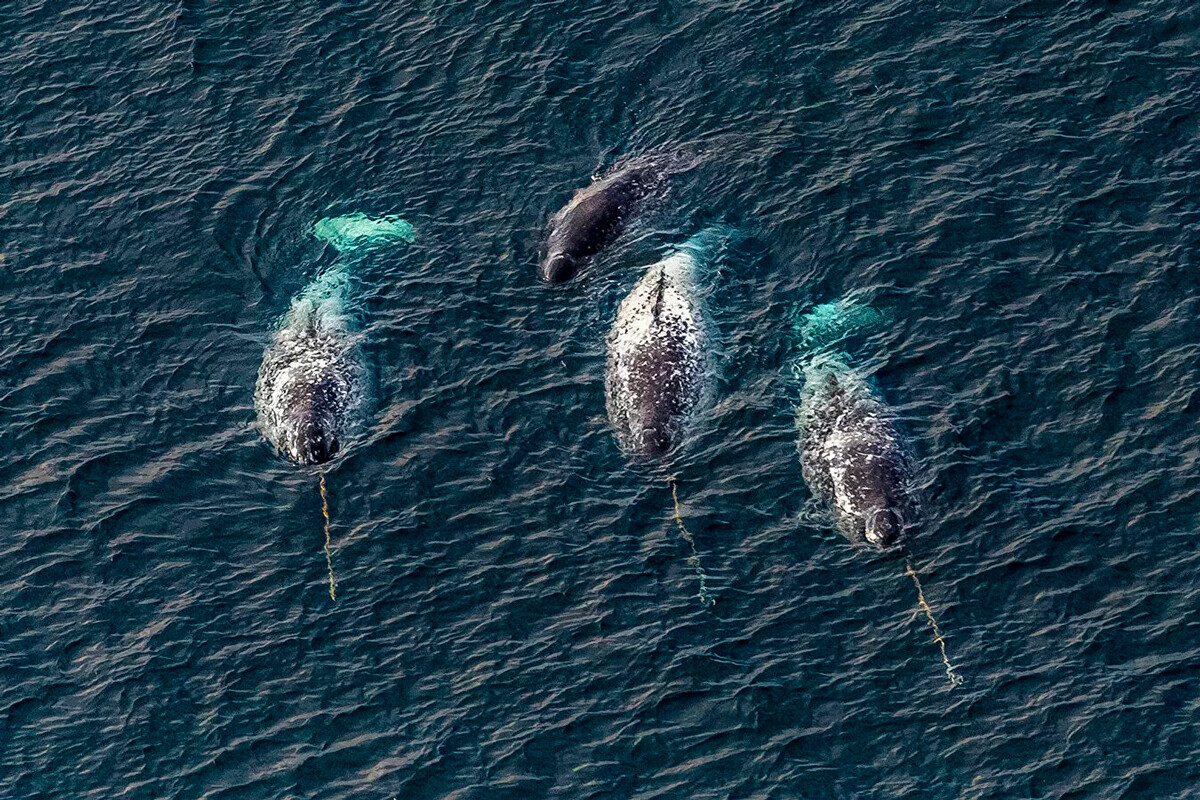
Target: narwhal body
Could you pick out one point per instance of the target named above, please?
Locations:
(313, 386)
(852, 454)
(661, 350)
(598, 213)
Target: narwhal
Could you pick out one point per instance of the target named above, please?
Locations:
(313, 383)
(661, 358)
(853, 457)
(313, 386)
(661, 350)
(598, 213)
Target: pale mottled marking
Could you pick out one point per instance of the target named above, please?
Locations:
(660, 360)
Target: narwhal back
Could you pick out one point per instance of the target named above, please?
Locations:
(660, 350)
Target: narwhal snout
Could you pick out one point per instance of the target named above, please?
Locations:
(559, 268)
(318, 444)
(883, 527)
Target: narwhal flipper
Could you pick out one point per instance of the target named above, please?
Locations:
(356, 231)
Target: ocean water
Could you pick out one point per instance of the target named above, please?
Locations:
(1017, 183)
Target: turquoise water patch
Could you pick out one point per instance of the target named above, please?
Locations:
(353, 231)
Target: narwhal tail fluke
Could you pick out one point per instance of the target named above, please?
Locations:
(829, 325)
(352, 232)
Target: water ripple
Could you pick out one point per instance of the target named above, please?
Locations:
(516, 615)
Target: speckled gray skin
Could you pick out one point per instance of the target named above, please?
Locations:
(853, 458)
(660, 361)
(312, 386)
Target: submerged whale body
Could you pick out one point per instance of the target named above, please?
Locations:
(313, 385)
(598, 213)
(853, 458)
(660, 361)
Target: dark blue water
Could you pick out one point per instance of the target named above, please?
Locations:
(1017, 182)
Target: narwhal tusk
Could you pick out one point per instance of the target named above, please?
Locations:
(706, 599)
(955, 678)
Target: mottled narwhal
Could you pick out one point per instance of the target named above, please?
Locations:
(313, 385)
(597, 214)
(853, 457)
(661, 349)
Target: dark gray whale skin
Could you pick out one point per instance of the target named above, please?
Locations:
(595, 217)
(320, 407)
(853, 457)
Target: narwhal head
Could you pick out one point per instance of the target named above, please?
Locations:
(317, 443)
(882, 527)
(657, 431)
(317, 429)
(559, 267)
(873, 509)
(656, 442)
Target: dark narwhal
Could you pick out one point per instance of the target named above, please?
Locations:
(313, 385)
(660, 351)
(853, 458)
(598, 213)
